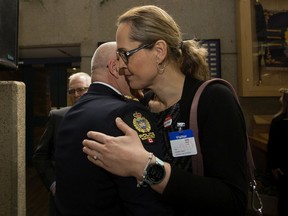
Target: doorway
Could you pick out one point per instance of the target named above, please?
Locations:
(46, 89)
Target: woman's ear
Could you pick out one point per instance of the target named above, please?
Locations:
(161, 49)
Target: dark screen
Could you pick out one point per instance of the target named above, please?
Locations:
(9, 33)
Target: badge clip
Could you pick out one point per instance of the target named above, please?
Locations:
(180, 125)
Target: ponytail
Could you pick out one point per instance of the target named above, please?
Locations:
(194, 60)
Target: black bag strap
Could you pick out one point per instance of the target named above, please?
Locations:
(197, 160)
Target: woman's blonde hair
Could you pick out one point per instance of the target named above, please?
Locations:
(150, 23)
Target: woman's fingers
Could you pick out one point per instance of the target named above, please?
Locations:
(97, 136)
(114, 153)
(88, 150)
(92, 146)
(97, 162)
(123, 126)
(92, 154)
(100, 138)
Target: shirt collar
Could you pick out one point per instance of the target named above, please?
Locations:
(109, 87)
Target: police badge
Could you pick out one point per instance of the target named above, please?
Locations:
(143, 126)
(141, 123)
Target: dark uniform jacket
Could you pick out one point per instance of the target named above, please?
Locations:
(86, 189)
(43, 158)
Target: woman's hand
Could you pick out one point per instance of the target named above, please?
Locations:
(123, 155)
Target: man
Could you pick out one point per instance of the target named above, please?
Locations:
(43, 157)
(78, 85)
(82, 187)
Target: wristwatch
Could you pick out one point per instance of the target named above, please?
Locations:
(154, 173)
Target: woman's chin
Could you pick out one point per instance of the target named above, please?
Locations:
(135, 85)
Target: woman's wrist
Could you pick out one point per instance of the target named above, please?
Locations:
(154, 173)
(145, 161)
(162, 185)
(140, 181)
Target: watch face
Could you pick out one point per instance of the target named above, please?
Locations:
(155, 173)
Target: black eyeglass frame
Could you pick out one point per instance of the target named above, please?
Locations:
(126, 54)
(78, 90)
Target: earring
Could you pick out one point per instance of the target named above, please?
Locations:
(161, 68)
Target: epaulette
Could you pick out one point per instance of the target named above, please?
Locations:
(130, 98)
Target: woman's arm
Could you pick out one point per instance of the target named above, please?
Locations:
(123, 155)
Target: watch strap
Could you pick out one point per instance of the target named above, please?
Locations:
(150, 180)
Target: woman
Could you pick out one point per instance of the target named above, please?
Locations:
(152, 55)
(277, 151)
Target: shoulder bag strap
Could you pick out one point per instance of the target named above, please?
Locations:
(197, 160)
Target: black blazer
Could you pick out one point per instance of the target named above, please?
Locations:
(82, 187)
(43, 157)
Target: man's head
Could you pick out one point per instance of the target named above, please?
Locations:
(104, 68)
(78, 84)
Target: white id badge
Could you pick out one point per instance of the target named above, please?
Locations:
(182, 143)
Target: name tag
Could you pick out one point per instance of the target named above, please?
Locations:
(182, 143)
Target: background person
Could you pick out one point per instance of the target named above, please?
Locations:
(85, 189)
(43, 157)
(152, 55)
(78, 85)
(277, 149)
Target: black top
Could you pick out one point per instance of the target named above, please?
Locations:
(222, 135)
(278, 143)
(85, 189)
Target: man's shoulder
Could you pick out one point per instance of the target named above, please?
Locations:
(132, 103)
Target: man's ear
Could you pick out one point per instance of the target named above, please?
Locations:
(112, 68)
(161, 49)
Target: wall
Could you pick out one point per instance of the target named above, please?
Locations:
(86, 22)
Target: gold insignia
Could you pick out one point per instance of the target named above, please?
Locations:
(147, 136)
(130, 98)
(141, 123)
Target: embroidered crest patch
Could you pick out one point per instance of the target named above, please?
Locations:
(141, 123)
(143, 126)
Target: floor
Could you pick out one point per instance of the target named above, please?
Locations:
(36, 194)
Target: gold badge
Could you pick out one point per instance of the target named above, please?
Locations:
(141, 123)
(131, 98)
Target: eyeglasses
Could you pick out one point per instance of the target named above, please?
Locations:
(78, 90)
(126, 54)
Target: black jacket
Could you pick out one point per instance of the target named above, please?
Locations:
(86, 189)
(43, 157)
